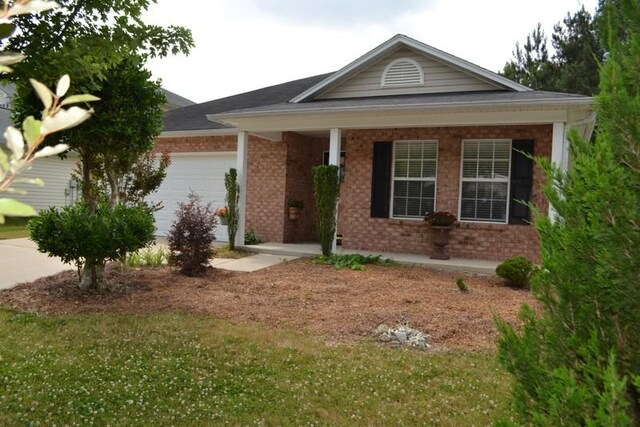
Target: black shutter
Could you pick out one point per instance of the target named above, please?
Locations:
(521, 181)
(381, 179)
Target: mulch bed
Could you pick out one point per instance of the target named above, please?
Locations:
(337, 305)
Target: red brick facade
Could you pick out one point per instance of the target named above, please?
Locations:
(280, 171)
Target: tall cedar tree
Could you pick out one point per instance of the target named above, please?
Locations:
(578, 363)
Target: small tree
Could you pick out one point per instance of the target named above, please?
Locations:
(191, 236)
(579, 362)
(232, 200)
(326, 183)
(79, 235)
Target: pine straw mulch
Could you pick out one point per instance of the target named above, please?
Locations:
(337, 305)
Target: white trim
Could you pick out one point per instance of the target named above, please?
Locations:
(508, 181)
(243, 146)
(200, 153)
(409, 60)
(200, 132)
(393, 179)
(399, 40)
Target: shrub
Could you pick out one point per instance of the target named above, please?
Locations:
(191, 236)
(76, 235)
(462, 286)
(440, 219)
(326, 183)
(352, 261)
(232, 200)
(147, 257)
(517, 271)
(295, 204)
(250, 238)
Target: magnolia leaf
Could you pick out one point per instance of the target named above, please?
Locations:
(64, 119)
(6, 30)
(31, 7)
(12, 207)
(10, 58)
(17, 164)
(63, 85)
(45, 94)
(5, 69)
(12, 190)
(4, 161)
(15, 142)
(51, 151)
(33, 181)
(74, 99)
(1, 219)
(31, 130)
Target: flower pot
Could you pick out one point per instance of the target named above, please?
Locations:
(440, 239)
(294, 213)
(223, 220)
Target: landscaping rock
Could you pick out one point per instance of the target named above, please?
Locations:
(401, 335)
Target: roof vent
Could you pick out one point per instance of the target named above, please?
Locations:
(403, 72)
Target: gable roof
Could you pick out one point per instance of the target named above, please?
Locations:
(194, 117)
(174, 100)
(393, 44)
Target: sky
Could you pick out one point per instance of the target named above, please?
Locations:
(242, 45)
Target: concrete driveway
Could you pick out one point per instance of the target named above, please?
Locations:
(21, 262)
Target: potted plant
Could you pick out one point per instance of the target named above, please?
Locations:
(440, 224)
(295, 206)
(222, 214)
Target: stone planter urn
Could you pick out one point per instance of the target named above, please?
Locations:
(440, 239)
(223, 220)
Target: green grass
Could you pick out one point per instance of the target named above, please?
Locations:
(189, 370)
(226, 252)
(14, 228)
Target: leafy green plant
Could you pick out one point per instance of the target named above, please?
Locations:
(148, 257)
(440, 219)
(191, 236)
(352, 261)
(462, 286)
(77, 235)
(326, 183)
(293, 203)
(232, 200)
(250, 238)
(517, 271)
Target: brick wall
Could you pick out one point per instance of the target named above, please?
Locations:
(470, 240)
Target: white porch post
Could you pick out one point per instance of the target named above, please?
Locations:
(243, 145)
(559, 153)
(335, 141)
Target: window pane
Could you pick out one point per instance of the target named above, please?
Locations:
(401, 150)
(470, 169)
(468, 209)
(427, 206)
(430, 150)
(485, 169)
(485, 190)
(415, 150)
(415, 169)
(501, 169)
(428, 189)
(400, 189)
(469, 190)
(401, 169)
(502, 150)
(500, 191)
(486, 150)
(413, 207)
(415, 164)
(470, 150)
(415, 189)
(429, 169)
(399, 206)
(483, 209)
(499, 212)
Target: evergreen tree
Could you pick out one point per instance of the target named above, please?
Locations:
(578, 363)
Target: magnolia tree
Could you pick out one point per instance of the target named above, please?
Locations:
(24, 146)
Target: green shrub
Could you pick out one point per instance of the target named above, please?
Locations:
(250, 238)
(232, 200)
(148, 257)
(326, 184)
(462, 286)
(76, 235)
(191, 236)
(517, 271)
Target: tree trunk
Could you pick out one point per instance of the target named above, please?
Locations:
(112, 178)
(92, 276)
(88, 193)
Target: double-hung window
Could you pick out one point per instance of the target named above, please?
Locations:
(414, 178)
(485, 180)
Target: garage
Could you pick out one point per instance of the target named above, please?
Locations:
(201, 173)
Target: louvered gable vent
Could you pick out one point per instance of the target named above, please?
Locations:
(403, 72)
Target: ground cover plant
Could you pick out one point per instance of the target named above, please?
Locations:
(352, 261)
(195, 370)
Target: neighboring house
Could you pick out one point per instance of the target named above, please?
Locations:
(416, 129)
(59, 189)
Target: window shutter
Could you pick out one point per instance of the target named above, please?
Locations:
(381, 179)
(521, 181)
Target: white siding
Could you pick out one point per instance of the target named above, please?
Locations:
(438, 78)
(56, 174)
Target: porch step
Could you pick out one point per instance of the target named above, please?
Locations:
(309, 250)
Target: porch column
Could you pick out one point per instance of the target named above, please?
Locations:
(559, 153)
(243, 145)
(335, 141)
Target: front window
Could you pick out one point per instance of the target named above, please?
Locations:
(485, 180)
(414, 178)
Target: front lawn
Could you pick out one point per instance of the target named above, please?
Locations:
(170, 369)
(14, 228)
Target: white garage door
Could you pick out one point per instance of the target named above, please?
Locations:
(201, 173)
(59, 190)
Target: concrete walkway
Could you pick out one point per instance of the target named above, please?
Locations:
(250, 263)
(21, 262)
(313, 249)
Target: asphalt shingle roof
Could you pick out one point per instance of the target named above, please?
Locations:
(194, 117)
